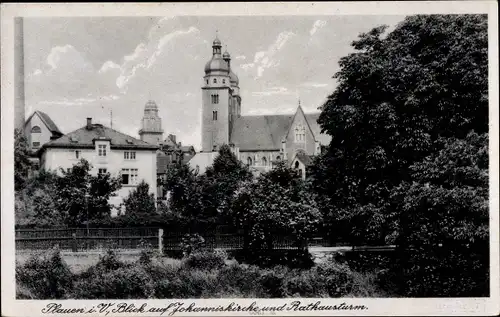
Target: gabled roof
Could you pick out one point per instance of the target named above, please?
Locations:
(303, 157)
(260, 132)
(84, 138)
(47, 121)
(251, 133)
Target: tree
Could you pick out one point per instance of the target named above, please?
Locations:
(140, 203)
(83, 197)
(444, 219)
(206, 197)
(22, 163)
(36, 203)
(396, 96)
(220, 182)
(277, 203)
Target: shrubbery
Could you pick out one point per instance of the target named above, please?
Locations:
(200, 275)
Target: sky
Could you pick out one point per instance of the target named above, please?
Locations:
(83, 67)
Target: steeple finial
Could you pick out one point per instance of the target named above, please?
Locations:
(299, 101)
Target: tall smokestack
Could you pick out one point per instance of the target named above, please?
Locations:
(19, 104)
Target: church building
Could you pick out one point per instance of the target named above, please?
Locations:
(258, 141)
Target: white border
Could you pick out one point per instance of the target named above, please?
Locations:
(382, 306)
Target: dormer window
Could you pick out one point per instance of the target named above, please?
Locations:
(101, 150)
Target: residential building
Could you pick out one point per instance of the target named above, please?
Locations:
(108, 151)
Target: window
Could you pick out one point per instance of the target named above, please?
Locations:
(77, 154)
(129, 155)
(101, 150)
(215, 80)
(249, 160)
(207, 81)
(300, 134)
(278, 158)
(36, 129)
(102, 171)
(214, 115)
(215, 99)
(264, 161)
(129, 176)
(223, 81)
(36, 145)
(297, 164)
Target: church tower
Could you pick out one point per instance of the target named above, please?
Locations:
(216, 101)
(151, 130)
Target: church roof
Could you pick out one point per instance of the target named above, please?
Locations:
(265, 132)
(47, 121)
(84, 138)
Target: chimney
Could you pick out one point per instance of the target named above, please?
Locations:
(89, 123)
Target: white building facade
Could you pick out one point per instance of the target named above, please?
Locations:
(108, 151)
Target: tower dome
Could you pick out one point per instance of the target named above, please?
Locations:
(226, 55)
(233, 78)
(151, 105)
(216, 64)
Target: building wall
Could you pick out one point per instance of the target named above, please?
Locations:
(151, 137)
(114, 162)
(215, 132)
(257, 158)
(292, 146)
(42, 137)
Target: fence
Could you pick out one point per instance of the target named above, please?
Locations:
(82, 239)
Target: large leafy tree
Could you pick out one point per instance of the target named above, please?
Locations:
(206, 197)
(140, 203)
(84, 197)
(277, 203)
(397, 95)
(444, 218)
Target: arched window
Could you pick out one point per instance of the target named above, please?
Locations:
(207, 81)
(223, 81)
(249, 160)
(215, 80)
(36, 129)
(264, 161)
(300, 134)
(278, 158)
(297, 164)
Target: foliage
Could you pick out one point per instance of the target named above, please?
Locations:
(205, 260)
(123, 283)
(35, 202)
(278, 202)
(140, 203)
(112, 279)
(46, 277)
(22, 164)
(396, 96)
(82, 196)
(209, 195)
(192, 243)
(444, 219)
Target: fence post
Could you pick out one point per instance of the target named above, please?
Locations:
(160, 240)
(73, 244)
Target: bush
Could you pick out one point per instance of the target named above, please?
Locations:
(121, 283)
(46, 277)
(273, 281)
(300, 259)
(241, 277)
(205, 260)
